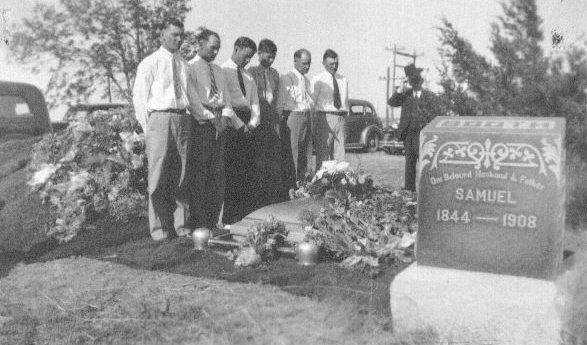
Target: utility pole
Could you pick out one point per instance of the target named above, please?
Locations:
(386, 95)
(396, 51)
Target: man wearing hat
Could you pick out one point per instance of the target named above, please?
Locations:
(418, 108)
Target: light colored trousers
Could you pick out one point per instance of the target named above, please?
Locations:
(329, 136)
(167, 141)
(299, 124)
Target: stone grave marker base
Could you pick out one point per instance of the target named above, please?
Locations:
(466, 307)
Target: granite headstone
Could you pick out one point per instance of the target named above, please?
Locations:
(491, 194)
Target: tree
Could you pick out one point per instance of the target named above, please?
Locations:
(522, 82)
(92, 45)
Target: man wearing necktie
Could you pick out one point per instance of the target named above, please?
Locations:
(418, 108)
(241, 174)
(213, 118)
(160, 98)
(294, 107)
(268, 159)
(330, 94)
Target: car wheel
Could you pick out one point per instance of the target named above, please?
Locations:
(373, 143)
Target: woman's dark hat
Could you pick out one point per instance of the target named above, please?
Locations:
(412, 71)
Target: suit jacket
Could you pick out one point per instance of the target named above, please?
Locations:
(268, 110)
(416, 113)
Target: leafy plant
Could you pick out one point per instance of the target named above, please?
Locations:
(263, 239)
(95, 167)
(266, 236)
(365, 233)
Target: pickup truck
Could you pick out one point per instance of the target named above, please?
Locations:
(23, 110)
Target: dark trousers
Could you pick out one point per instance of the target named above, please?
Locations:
(208, 184)
(241, 176)
(268, 164)
(411, 147)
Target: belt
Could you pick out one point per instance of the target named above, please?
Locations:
(241, 110)
(213, 109)
(294, 112)
(339, 113)
(171, 110)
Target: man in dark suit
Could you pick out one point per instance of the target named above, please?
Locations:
(418, 108)
(268, 155)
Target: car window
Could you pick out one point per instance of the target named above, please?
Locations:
(369, 110)
(14, 106)
(357, 110)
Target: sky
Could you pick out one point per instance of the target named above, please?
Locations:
(362, 32)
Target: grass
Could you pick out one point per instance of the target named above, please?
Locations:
(83, 301)
(22, 217)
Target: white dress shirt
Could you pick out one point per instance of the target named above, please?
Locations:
(237, 99)
(323, 92)
(200, 84)
(294, 92)
(154, 85)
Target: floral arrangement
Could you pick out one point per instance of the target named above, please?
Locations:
(365, 233)
(95, 167)
(335, 180)
(262, 241)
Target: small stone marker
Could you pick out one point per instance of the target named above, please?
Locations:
(491, 194)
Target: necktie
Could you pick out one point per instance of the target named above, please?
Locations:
(213, 88)
(268, 89)
(241, 82)
(336, 95)
(176, 79)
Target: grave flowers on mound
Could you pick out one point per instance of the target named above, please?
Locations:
(366, 234)
(261, 243)
(93, 168)
(334, 179)
(363, 227)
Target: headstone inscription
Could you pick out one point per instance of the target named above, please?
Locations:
(491, 194)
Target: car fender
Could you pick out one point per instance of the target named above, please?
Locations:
(368, 130)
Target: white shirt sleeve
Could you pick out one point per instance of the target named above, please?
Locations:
(255, 109)
(227, 110)
(141, 90)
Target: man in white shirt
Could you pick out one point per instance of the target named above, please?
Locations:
(241, 173)
(160, 98)
(212, 119)
(330, 95)
(295, 105)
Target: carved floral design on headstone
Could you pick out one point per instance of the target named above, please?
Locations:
(493, 155)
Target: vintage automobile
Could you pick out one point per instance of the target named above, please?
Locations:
(23, 110)
(75, 110)
(363, 128)
(391, 143)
